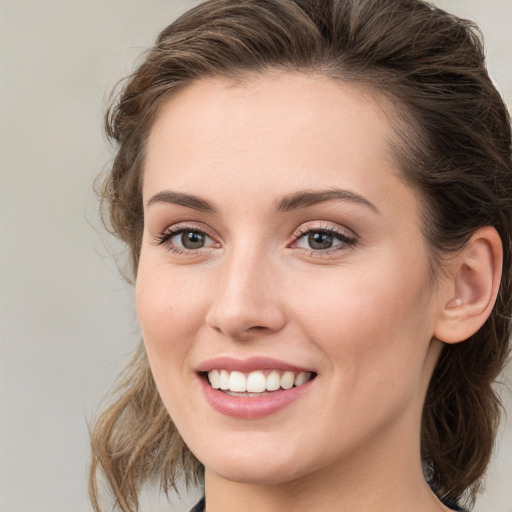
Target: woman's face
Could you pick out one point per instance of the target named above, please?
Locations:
(282, 248)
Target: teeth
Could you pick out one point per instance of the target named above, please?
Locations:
(273, 381)
(224, 380)
(302, 378)
(214, 378)
(287, 380)
(256, 382)
(237, 382)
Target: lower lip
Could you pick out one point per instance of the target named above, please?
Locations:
(252, 407)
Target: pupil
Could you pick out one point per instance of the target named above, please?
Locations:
(320, 240)
(192, 240)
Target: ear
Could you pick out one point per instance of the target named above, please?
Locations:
(471, 287)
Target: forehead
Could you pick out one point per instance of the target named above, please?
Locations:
(257, 100)
(282, 124)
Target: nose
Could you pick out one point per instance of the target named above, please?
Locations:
(247, 301)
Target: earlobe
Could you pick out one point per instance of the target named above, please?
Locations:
(474, 278)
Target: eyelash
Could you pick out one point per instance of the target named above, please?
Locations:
(347, 241)
(164, 238)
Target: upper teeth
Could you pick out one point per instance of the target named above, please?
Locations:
(257, 381)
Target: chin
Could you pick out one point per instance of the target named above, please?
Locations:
(256, 466)
(260, 473)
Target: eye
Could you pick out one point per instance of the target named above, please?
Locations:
(323, 239)
(182, 239)
(317, 240)
(190, 239)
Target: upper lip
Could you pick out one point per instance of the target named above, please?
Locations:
(248, 365)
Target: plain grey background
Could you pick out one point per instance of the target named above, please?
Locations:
(67, 320)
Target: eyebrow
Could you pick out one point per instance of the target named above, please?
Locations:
(286, 203)
(306, 198)
(181, 199)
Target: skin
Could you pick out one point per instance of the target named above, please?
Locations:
(361, 315)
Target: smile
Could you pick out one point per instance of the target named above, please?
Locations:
(256, 382)
(253, 388)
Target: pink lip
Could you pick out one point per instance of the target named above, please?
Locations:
(248, 365)
(252, 407)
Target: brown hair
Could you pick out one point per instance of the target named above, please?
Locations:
(453, 145)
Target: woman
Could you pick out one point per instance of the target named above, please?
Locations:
(317, 198)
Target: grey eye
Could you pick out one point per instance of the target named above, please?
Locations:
(322, 239)
(191, 240)
(319, 240)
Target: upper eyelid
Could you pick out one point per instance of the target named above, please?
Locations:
(323, 226)
(191, 226)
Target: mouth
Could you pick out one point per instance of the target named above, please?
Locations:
(255, 383)
(254, 387)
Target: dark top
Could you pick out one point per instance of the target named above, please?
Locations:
(200, 507)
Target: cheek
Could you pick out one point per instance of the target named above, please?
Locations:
(374, 336)
(374, 322)
(170, 309)
(170, 313)
(166, 297)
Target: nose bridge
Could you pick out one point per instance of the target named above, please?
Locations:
(246, 299)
